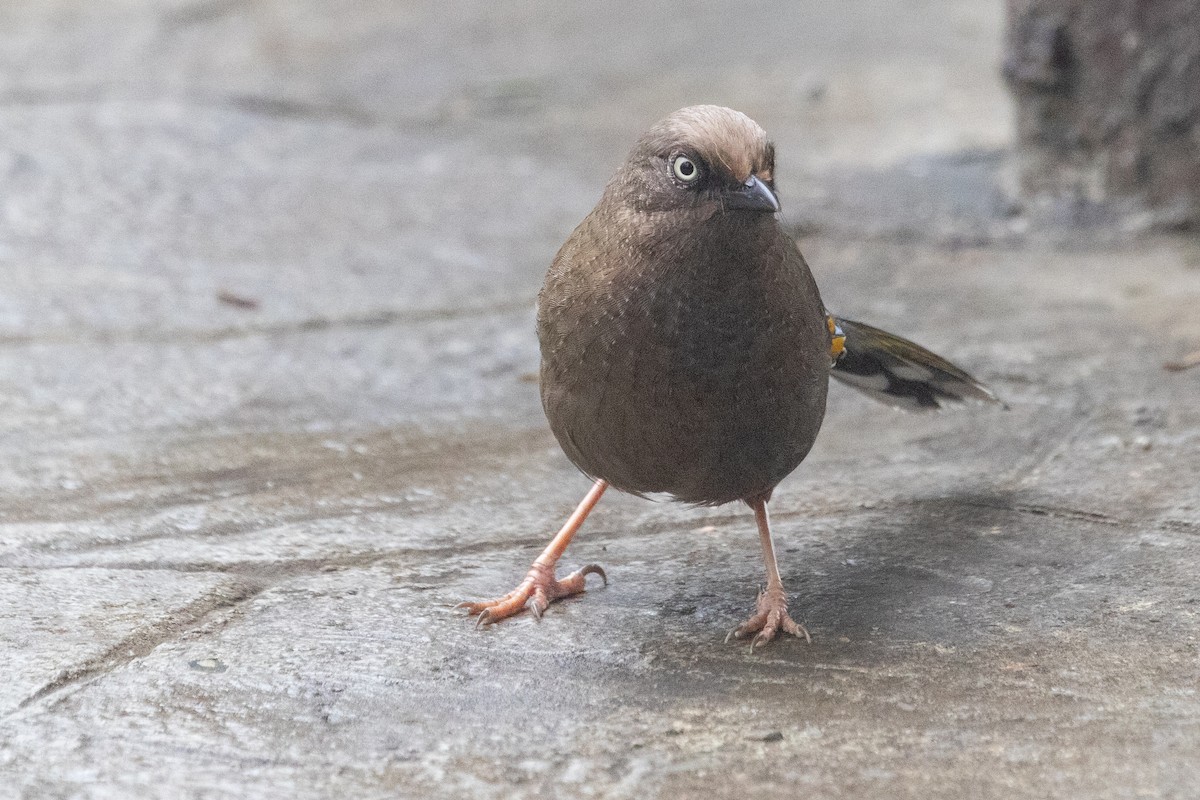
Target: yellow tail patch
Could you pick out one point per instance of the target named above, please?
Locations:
(837, 340)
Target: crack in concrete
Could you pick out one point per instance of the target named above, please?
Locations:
(201, 13)
(145, 640)
(373, 319)
(21, 97)
(1056, 512)
(263, 105)
(286, 568)
(217, 530)
(287, 108)
(264, 570)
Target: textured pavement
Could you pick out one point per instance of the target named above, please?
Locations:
(267, 411)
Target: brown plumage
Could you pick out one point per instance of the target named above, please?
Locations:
(685, 347)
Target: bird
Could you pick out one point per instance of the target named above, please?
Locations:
(686, 351)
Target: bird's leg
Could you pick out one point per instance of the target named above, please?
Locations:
(771, 614)
(540, 588)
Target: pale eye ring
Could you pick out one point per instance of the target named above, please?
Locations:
(685, 169)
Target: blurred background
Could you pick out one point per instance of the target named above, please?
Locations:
(268, 404)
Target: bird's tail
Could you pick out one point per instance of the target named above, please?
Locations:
(898, 372)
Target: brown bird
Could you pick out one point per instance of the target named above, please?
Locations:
(686, 350)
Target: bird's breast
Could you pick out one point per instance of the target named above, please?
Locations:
(703, 380)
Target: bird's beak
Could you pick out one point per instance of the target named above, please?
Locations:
(753, 195)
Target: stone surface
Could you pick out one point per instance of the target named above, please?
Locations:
(1108, 107)
(231, 532)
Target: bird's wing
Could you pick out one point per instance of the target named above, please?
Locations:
(898, 372)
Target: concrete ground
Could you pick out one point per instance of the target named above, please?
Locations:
(266, 413)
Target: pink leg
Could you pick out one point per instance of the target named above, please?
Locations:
(540, 588)
(771, 614)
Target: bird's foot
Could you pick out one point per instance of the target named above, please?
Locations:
(539, 589)
(769, 618)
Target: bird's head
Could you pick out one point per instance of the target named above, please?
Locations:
(707, 158)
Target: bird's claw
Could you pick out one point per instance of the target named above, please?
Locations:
(539, 589)
(770, 616)
(537, 603)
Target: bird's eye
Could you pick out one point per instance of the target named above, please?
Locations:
(685, 169)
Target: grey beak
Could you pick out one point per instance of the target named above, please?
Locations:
(753, 195)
